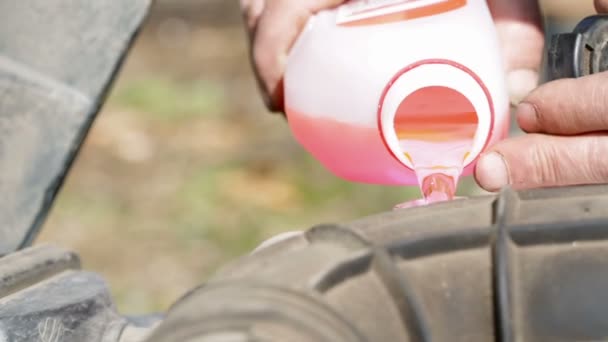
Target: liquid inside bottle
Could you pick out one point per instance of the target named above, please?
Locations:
(436, 128)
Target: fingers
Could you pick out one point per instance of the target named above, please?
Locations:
(252, 9)
(535, 161)
(277, 29)
(520, 31)
(601, 6)
(565, 109)
(567, 106)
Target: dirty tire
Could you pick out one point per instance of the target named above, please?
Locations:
(520, 266)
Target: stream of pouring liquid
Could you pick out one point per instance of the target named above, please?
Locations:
(436, 128)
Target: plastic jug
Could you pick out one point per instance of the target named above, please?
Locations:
(390, 91)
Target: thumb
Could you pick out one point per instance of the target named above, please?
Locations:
(568, 106)
(536, 161)
(601, 6)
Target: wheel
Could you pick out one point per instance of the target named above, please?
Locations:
(519, 266)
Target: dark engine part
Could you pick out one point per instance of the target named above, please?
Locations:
(523, 266)
(44, 296)
(57, 61)
(579, 53)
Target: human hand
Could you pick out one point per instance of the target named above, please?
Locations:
(274, 25)
(567, 120)
(519, 27)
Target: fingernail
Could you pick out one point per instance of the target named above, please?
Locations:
(491, 172)
(527, 117)
(521, 82)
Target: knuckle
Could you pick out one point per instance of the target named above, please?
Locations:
(266, 77)
(262, 59)
(537, 99)
(258, 54)
(544, 161)
(251, 10)
(595, 111)
(540, 115)
(565, 116)
(596, 168)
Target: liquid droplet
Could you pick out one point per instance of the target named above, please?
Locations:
(436, 127)
(438, 187)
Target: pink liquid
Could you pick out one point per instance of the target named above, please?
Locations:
(353, 152)
(436, 128)
(357, 153)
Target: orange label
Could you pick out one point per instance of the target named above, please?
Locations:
(372, 12)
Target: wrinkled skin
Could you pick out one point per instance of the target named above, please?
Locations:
(567, 141)
(566, 119)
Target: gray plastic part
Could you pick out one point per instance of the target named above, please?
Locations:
(44, 296)
(57, 61)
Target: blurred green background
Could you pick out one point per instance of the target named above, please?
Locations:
(184, 169)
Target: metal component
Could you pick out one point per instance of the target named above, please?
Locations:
(57, 61)
(45, 297)
(580, 53)
(31, 266)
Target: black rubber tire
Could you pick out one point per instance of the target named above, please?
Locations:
(521, 266)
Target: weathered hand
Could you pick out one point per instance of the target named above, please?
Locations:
(567, 144)
(273, 27)
(519, 27)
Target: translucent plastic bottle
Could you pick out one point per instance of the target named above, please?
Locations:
(398, 92)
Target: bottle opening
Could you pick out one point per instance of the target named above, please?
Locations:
(436, 128)
(440, 104)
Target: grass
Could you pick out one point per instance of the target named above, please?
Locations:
(169, 100)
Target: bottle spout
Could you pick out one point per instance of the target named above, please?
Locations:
(438, 187)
